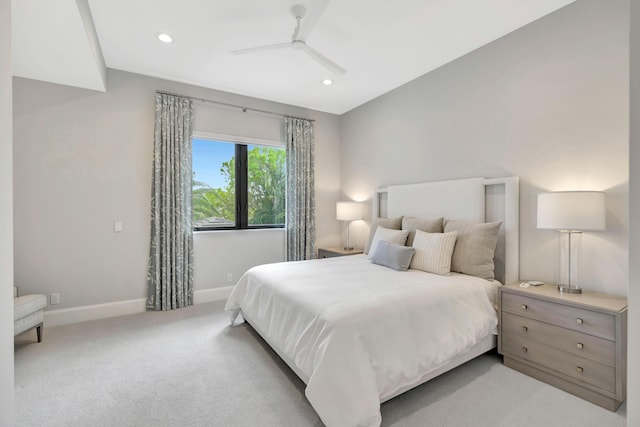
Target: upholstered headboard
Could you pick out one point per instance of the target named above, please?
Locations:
(473, 199)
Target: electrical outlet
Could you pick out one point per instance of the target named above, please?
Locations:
(229, 277)
(55, 299)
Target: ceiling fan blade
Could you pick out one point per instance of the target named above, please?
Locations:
(316, 7)
(260, 48)
(326, 62)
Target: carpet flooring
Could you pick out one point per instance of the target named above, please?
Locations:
(188, 367)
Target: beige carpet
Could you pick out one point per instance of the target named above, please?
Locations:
(189, 368)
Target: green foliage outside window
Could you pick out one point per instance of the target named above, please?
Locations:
(267, 182)
(266, 191)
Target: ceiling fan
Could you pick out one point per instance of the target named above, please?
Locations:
(300, 34)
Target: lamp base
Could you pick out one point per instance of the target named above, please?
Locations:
(569, 289)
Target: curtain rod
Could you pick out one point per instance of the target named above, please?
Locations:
(244, 109)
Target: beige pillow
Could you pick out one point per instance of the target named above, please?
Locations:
(433, 252)
(475, 247)
(399, 237)
(391, 223)
(429, 225)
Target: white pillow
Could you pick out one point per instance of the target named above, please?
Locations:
(391, 223)
(433, 252)
(398, 237)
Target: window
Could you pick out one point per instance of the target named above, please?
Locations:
(237, 186)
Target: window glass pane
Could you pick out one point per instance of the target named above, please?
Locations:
(214, 198)
(266, 185)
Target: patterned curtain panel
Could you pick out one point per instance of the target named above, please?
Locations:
(301, 224)
(170, 274)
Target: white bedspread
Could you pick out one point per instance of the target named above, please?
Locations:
(359, 332)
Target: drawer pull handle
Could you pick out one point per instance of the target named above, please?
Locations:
(580, 369)
(525, 349)
(524, 328)
(524, 306)
(580, 345)
(579, 321)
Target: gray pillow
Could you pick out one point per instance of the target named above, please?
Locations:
(391, 223)
(423, 224)
(392, 255)
(475, 247)
(399, 237)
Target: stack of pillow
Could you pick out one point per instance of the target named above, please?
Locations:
(434, 245)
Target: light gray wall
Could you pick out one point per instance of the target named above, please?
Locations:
(83, 160)
(548, 103)
(6, 221)
(633, 352)
(218, 254)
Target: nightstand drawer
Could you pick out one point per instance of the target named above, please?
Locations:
(585, 370)
(577, 343)
(582, 320)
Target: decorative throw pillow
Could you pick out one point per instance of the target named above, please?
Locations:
(475, 247)
(391, 255)
(433, 252)
(391, 223)
(385, 234)
(429, 225)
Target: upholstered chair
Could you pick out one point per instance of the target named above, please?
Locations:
(28, 313)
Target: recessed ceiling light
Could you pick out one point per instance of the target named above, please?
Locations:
(164, 37)
(327, 82)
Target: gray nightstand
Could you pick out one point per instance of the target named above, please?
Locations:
(576, 342)
(334, 252)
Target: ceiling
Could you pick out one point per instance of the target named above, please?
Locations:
(381, 46)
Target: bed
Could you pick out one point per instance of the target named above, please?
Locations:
(359, 333)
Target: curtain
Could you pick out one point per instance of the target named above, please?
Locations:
(301, 227)
(170, 274)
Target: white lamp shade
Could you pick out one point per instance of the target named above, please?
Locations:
(348, 211)
(572, 210)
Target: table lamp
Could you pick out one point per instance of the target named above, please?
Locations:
(571, 213)
(348, 211)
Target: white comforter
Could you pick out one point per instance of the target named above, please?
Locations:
(357, 332)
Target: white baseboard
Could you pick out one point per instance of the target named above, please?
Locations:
(84, 313)
(212, 294)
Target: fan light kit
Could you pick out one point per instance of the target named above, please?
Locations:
(300, 34)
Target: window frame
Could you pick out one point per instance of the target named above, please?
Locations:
(242, 179)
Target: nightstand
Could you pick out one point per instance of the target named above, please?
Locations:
(334, 252)
(576, 342)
